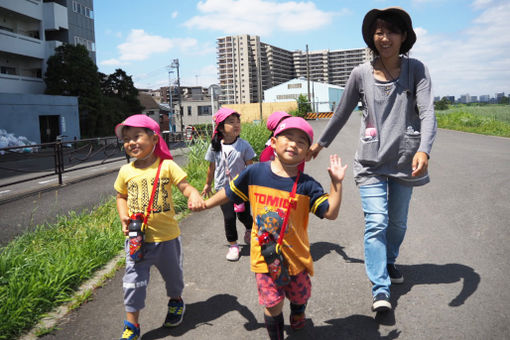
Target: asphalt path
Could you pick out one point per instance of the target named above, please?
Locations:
(455, 260)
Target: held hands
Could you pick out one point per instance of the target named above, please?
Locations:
(313, 151)
(420, 164)
(336, 170)
(196, 202)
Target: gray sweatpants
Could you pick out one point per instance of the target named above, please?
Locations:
(167, 257)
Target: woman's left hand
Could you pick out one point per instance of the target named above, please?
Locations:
(420, 164)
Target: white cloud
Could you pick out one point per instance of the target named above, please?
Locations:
(175, 14)
(261, 17)
(476, 61)
(112, 62)
(140, 45)
(480, 4)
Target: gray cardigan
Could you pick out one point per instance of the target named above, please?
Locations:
(402, 113)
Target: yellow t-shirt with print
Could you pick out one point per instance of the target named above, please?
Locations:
(137, 185)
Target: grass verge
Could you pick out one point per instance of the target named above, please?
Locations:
(42, 269)
(487, 120)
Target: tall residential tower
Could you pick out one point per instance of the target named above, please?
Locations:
(247, 66)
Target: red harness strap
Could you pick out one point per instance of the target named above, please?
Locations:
(154, 187)
(292, 195)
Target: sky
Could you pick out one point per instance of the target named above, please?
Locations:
(464, 43)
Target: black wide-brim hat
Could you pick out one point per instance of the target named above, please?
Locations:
(375, 13)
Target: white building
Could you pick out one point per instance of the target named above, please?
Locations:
(465, 98)
(324, 97)
(484, 98)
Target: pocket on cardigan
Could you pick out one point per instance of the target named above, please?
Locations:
(408, 148)
(368, 150)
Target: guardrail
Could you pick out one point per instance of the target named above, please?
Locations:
(20, 164)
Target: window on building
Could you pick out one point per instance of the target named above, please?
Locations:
(204, 111)
(79, 8)
(90, 45)
(8, 70)
(189, 110)
(287, 96)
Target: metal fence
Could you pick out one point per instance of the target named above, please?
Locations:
(20, 164)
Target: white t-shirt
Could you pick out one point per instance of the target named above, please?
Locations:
(234, 155)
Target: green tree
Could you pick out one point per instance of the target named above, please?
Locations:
(504, 100)
(441, 104)
(303, 106)
(71, 72)
(120, 98)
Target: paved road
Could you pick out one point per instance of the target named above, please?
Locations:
(454, 259)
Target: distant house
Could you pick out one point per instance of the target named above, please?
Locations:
(195, 103)
(156, 111)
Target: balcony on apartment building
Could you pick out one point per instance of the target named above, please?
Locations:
(20, 34)
(20, 74)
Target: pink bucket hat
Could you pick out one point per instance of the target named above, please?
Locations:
(142, 121)
(295, 123)
(221, 115)
(275, 118)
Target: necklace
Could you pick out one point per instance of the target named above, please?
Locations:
(388, 72)
(388, 87)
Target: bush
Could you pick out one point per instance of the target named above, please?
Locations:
(257, 135)
(441, 104)
(304, 106)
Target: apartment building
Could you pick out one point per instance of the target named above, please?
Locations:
(332, 67)
(244, 59)
(30, 30)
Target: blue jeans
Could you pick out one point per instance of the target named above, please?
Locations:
(385, 206)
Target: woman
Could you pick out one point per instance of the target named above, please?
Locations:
(398, 127)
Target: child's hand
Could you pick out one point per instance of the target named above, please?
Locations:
(336, 170)
(206, 192)
(195, 202)
(125, 223)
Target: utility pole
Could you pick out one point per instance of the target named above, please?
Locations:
(175, 64)
(171, 104)
(308, 72)
(259, 83)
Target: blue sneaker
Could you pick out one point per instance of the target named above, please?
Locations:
(381, 303)
(175, 313)
(396, 276)
(131, 332)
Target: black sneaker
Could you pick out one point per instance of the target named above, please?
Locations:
(381, 303)
(395, 274)
(175, 313)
